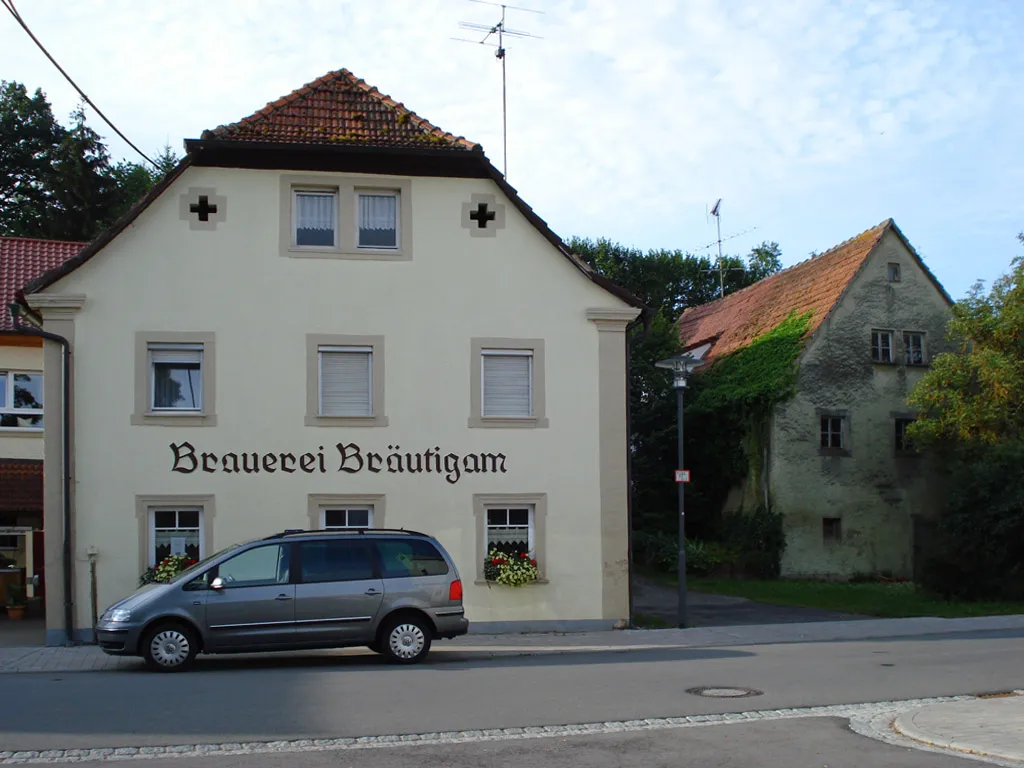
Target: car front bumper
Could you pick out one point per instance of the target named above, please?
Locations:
(118, 638)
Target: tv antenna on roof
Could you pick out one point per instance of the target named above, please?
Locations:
(717, 213)
(501, 31)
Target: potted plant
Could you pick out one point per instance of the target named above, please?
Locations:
(16, 601)
(166, 569)
(510, 569)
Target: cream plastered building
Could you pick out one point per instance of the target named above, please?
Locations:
(333, 313)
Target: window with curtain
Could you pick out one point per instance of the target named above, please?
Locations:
(913, 345)
(510, 530)
(316, 218)
(176, 532)
(177, 377)
(378, 220)
(346, 386)
(507, 383)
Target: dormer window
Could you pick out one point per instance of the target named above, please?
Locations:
(894, 271)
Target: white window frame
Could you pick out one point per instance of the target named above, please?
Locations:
(346, 508)
(151, 549)
(320, 192)
(906, 348)
(169, 347)
(483, 388)
(531, 545)
(842, 432)
(7, 407)
(881, 333)
(397, 195)
(367, 350)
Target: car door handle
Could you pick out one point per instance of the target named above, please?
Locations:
(283, 597)
(372, 591)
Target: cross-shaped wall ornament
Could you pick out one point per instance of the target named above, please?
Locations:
(483, 216)
(202, 208)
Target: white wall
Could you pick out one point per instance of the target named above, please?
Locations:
(160, 275)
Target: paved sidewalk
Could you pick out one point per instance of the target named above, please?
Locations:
(88, 658)
(988, 727)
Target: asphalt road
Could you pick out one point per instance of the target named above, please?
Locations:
(818, 743)
(228, 699)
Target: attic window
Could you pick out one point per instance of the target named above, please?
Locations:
(894, 272)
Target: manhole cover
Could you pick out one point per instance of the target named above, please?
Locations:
(722, 692)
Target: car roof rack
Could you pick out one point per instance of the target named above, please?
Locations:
(320, 531)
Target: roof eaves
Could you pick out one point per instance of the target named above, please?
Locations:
(51, 276)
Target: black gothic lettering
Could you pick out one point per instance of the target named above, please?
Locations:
(307, 462)
(285, 458)
(250, 468)
(475, 467)
(451, 467)
(269, 462)
(232, 465)
(371, 459)
(178, 457)
(494, 460)
(355, 454)
(207, 458)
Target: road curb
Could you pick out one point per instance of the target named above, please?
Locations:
(905, 725)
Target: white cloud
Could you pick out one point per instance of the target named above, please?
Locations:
(627, 119)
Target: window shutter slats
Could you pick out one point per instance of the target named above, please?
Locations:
(345, 384)
(506, 385)
(176, 355)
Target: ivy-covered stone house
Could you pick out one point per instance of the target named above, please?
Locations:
(816, 363)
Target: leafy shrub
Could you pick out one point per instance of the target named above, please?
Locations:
(661, 551)
(758, 540)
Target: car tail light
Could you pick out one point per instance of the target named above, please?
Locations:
(455, 590)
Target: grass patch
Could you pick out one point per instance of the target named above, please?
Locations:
(887, 600)
(649, 621)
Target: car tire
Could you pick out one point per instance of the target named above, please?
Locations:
(405, 639)
(375, 647)
(170, 647)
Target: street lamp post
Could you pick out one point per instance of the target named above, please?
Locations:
(681, 367)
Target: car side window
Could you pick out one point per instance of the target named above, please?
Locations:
(257, 567)
(412, 557)
(335, 560)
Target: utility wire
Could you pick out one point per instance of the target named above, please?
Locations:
(9, 5)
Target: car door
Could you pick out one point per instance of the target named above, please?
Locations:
(338, 593)
(251, 601)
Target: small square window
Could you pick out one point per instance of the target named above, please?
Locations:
(913, 346)
(378, 220)
(21, 400)
(177, 377)
(902, 442)
(832, 530)
(894, 272)
(507, 383)
(832, 432)
(346, 381)
(176, 532)
(881, 346)
(315, 217)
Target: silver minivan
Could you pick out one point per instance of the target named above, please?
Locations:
(394, 591)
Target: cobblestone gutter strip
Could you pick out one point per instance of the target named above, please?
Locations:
(883, 709)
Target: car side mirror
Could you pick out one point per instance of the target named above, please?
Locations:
(217, 583)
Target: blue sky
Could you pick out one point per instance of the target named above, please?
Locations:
(813, 120)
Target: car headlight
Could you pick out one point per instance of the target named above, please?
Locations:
(120, 614)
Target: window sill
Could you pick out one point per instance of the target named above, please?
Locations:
(161, 419)
(495, 422)
(21, 432)
(886, 363)
(534, 583)
(834, 452)
(346, 421)
(365, 254)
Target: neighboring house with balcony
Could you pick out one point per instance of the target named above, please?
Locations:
(855, 496)
(335, 314)
(22, 415)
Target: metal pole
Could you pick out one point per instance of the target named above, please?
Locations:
(682, 514)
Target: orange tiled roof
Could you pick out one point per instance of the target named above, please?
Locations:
(25, 258)
(339, 108)
(814, 285)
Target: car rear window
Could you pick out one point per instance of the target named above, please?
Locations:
(411, 557)
(335, 560)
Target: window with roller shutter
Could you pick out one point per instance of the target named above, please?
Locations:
(507, 377)
(346, 381)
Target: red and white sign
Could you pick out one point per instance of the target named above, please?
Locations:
(682, 475)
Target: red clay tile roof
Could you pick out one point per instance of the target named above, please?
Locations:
(815, 285)
(23, 259)
(21, 485)
(339, 108)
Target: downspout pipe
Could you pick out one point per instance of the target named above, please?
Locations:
(65, 371)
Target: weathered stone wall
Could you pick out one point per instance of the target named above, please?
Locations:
(873, 491)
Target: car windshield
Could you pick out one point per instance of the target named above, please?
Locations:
(191, 570)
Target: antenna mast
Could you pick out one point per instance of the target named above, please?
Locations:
(500, 30)
(721, 271)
